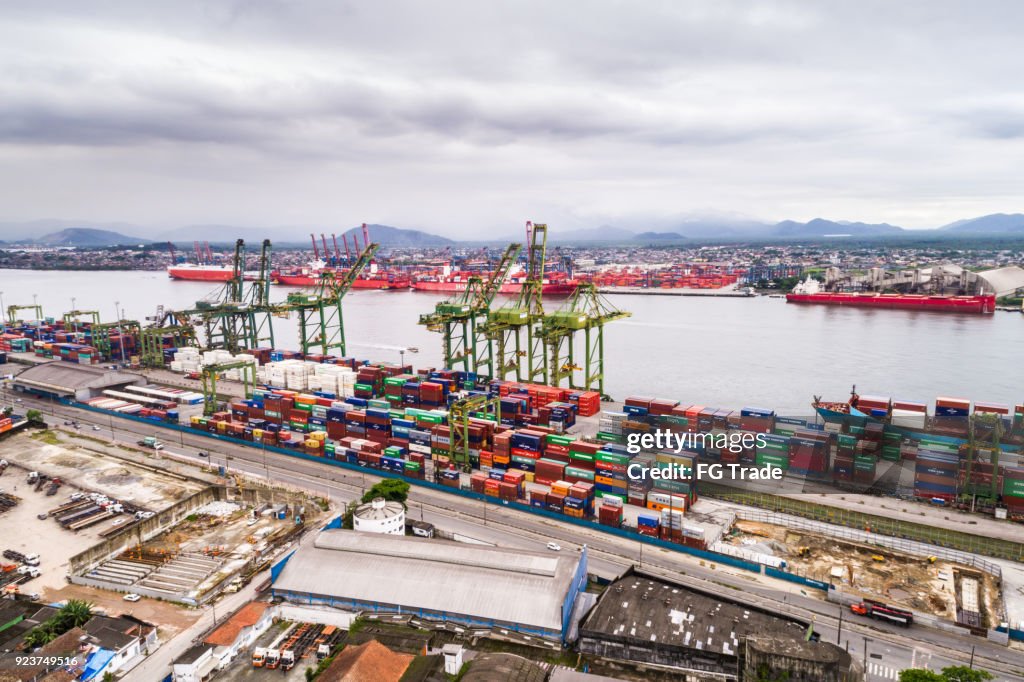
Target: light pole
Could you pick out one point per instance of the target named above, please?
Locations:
(3, 313)
(120, 336)
(865, 655)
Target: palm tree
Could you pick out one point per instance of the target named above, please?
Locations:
(75, 613)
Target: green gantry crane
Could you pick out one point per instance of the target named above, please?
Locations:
(321, 321)
(209, 376)
(459, 414)
(101, 338)
(165, 323)
(513, 328)
(463, 319)
(237, 318)
(12, 312)
(586, 312)
(73, 318)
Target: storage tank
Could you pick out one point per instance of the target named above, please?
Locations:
(380, 516)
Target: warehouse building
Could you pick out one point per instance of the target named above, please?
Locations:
(68, 380)
(649, 620)
(519, 591)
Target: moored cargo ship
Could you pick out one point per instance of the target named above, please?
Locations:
(808, 292)
(203, 273)
(313, 275)
(555, 284)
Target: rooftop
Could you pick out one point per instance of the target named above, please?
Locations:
(193, 654)
(379, 510)
(368, 662)
(490, 583)
(505, 667)
(642, 608)
(67, 377)
(247, 616)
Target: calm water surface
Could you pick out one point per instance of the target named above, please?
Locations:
(726, 352)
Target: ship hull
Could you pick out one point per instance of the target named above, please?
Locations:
(359, 283)
(200, 274)
(508, 288)
(972, 305)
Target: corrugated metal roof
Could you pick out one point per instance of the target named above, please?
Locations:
(1004, 281)
(69, 377)
(491, 583)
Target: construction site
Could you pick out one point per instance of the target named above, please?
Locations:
(929, 585)
(117, 518)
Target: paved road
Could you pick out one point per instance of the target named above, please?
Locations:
(884, 648)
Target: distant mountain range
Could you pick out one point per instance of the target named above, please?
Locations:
(87, 236)
(83, 234)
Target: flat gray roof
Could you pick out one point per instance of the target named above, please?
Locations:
(651, 611)
(489, 583)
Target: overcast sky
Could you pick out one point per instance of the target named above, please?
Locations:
(467, 118)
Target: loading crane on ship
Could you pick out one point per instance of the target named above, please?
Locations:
(463, 319)
(586, 312)
(513, 328)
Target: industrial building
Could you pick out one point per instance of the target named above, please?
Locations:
(648, 620)
(478, 586)
(380, 516)
(69, 380)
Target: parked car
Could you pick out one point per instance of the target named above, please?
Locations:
(132, 597)
(554, 546)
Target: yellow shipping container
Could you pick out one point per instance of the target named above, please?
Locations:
(195, 420)
(312, 443)
(257, 434)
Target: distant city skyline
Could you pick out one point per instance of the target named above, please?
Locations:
(466, 119)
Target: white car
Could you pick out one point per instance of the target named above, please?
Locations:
(96, 428)
(132, 597)
(554, 546)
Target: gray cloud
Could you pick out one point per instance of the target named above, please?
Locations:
(453, 115)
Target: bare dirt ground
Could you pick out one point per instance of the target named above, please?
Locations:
(80, 462)
(869, 572)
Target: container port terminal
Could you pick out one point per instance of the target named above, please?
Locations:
(515, 439)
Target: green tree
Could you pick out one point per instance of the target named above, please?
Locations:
(953, 673)
(35, 417)
(75, 613)
(392, 490)
(919, 675)
(961, 673)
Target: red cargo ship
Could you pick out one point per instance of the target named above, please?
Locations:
(203, 273)
(555, 283)
(311, 276)
(807, 292)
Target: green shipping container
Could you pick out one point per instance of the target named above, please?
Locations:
(672, 486)
(600, 493)
(770, 459)
(364, 387)
(579, 473)
(611, 458)
(608, 437)
(1013, 487)
(555, 439)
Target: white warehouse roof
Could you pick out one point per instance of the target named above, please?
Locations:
(485, 583)
(1003, 281)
